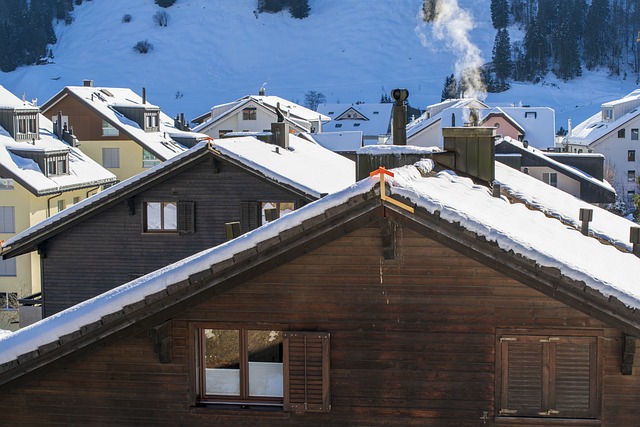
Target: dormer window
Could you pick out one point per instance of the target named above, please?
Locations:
(151, 121)
(26, 126)
(607, 114)
(57, 164)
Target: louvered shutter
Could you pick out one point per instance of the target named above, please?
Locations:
(250, 216)
(186, 217)
(522, 376)
(306, 372)
(575, 377)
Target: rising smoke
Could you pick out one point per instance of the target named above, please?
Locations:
(451, 25)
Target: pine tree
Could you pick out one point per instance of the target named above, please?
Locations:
(597, 34)
(535, 45)
(450, 90)
(299, 9)
(501, 59)
(499, 14)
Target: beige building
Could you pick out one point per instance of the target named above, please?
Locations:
(41, 174)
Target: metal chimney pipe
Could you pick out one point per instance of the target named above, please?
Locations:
(586, 216)
(634, 238)
(144, 95)
(399, 133)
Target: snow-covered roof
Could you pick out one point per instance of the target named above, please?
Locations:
(339, 142)
(83, 171)
(434, 113)
(106, 100)
(306, 166)
(512, 227)
(595, 127)
(297, 114)
(566, 169)
(539, 124)
(375, 118)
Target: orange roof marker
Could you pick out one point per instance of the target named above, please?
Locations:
(382, 171)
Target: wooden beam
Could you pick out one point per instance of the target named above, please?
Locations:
(160, 337)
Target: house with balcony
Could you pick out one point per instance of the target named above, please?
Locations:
(42, 173)
(118, 128)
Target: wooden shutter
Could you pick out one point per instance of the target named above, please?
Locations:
(306, 372)
(250, 216)
(576, 377)
(522, 376)
(186, 217)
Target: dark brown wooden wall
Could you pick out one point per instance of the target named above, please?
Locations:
(110, 248)
(86, 124)
(412, 344)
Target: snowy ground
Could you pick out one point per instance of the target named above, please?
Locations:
(350, 50)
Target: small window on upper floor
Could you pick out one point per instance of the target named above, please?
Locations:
(631, 155)
(108, 129)
(26, 126)
(249, 113)
(631, 176)
(111, 158)
(634, 134)
(607, 114)
(7, 184)
(151, 122)
(7, 219)
(621, 133)
(338, 125)
(57, 165)
(376, 112)
(630, 196)
(531, 115)
(61, 205)
(550, 178)
(169, 217)
(355, 125)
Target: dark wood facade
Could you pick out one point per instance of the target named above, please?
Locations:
(110, 248)
(413, 343)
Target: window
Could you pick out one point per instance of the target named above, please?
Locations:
(621, 133)
(149, 160)
(61, 205)
(8, 267)
(631, 176)
(631, 155)
(338, 125)
(151, 121)
(355, 125)
(548, 375)
(7, 184)
(108, 129)
(607, 114)
(170, 217)
(532, 114)
(634, 134)
(630, 195)
(249, 113)
(7, 219)
(26, 127)
(263, 367)
(274, 210)
(111, 157)
(76, 200)
(8, 301)
(57, 165)
(550, 178)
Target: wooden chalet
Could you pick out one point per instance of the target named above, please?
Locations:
(424, 299)
(198, 199)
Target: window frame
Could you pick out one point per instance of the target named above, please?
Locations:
(250, 113)
(8, 267)
(5, 300)
(149, 160)
(549, 340)
(550, 178)
(304, 354)
(634, 134)
(109, 130)
(631, 176)
(631, 155)
(184, 217)
(622, 133)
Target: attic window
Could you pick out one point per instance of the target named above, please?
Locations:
(355, 125)
(330, 112)
(151, 121)
(376, 112)
(532, 114)
(106, 92)
(169, 217)
(108, 129)
(249, 113)
(338, 125)
(607, 114)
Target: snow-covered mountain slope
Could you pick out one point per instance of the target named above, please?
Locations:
(213, 52)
